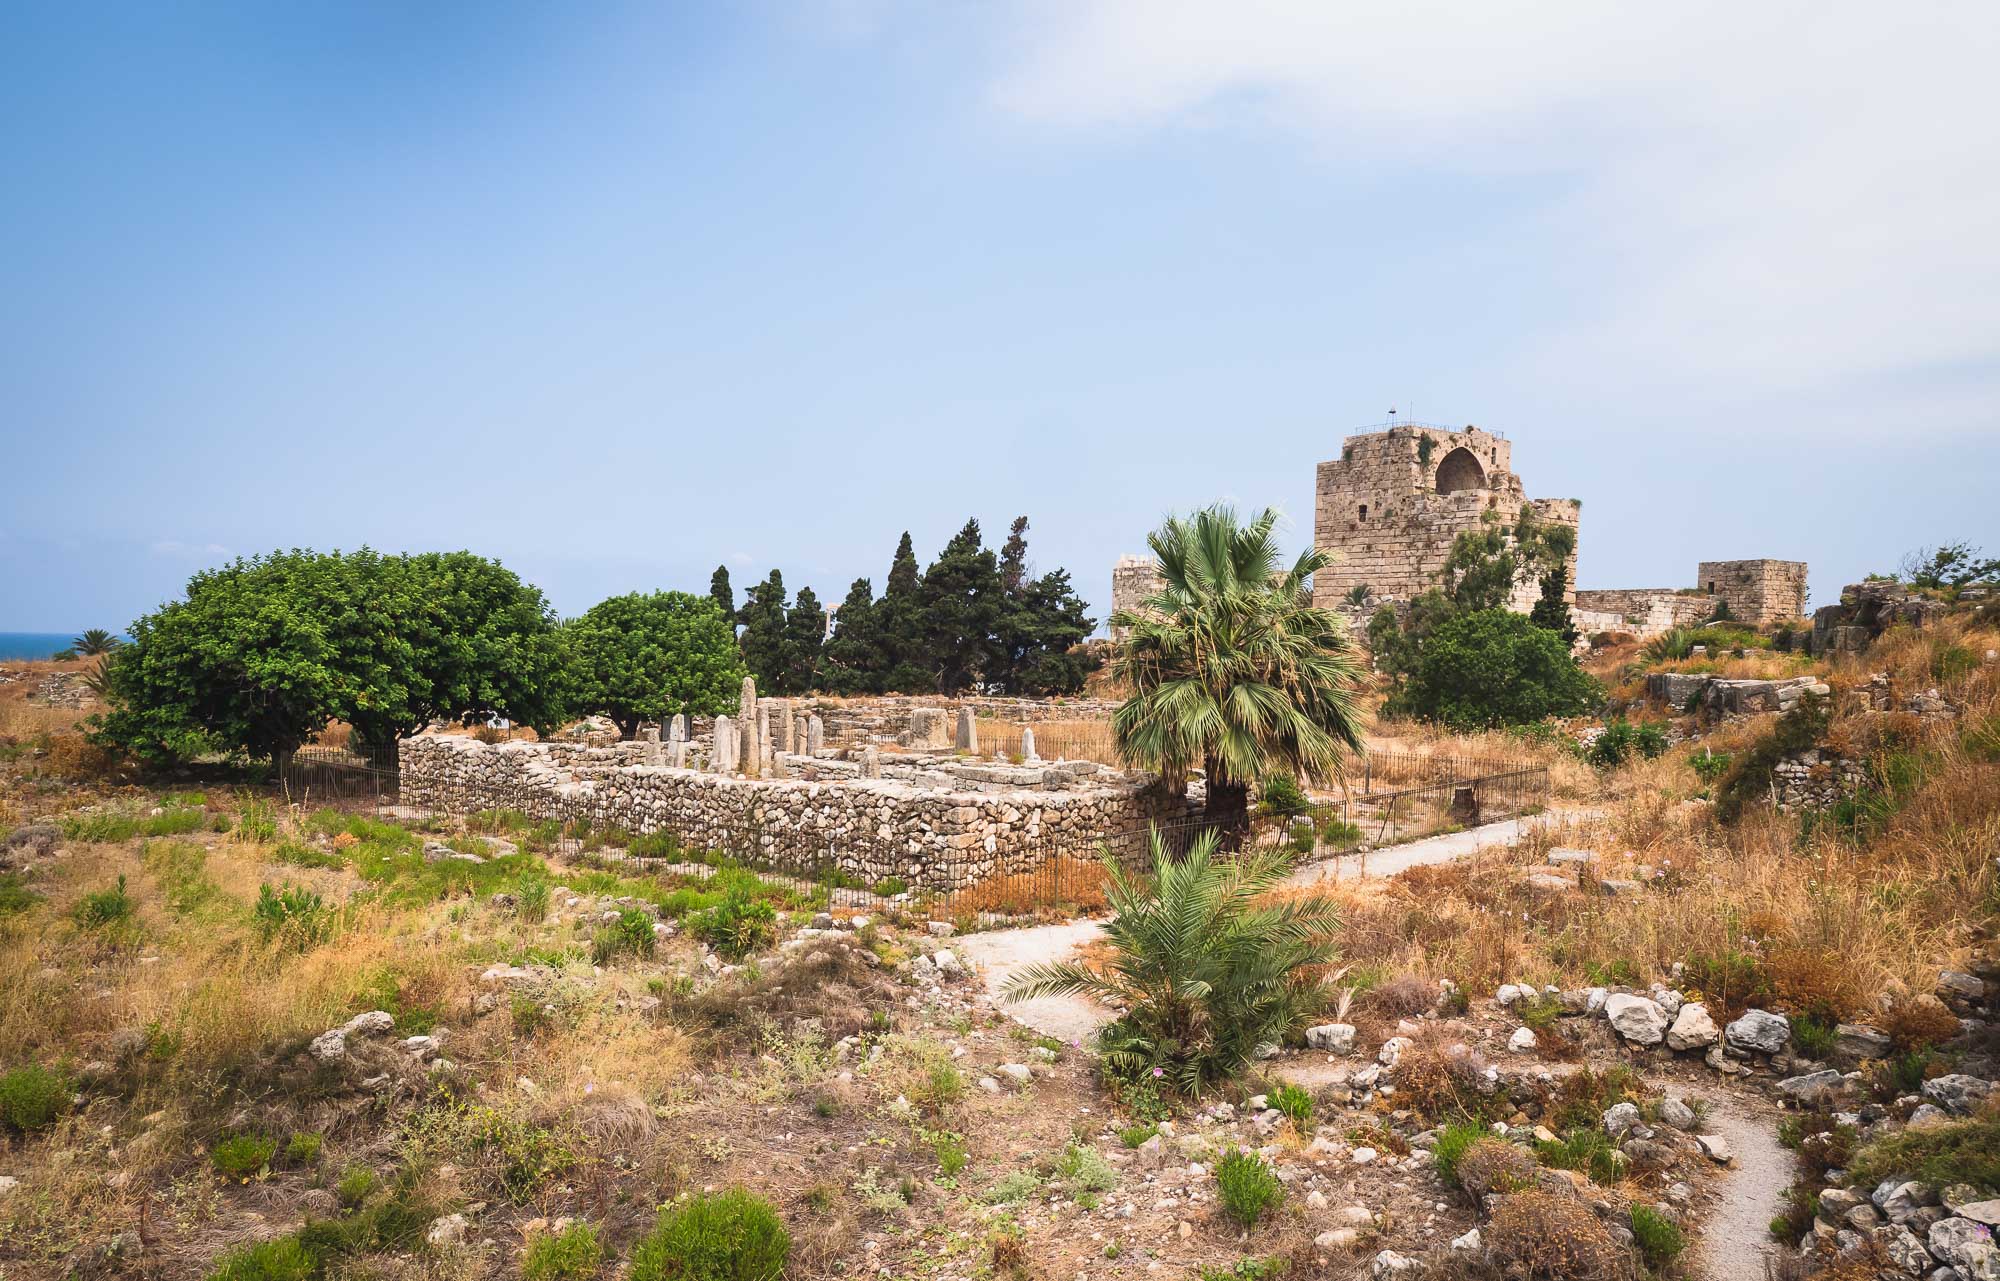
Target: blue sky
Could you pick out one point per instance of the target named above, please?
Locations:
(616, 293)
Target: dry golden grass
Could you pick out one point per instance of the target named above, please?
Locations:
(1087, 739)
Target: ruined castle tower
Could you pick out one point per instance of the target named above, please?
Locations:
(1389, 508)
(1133, 579)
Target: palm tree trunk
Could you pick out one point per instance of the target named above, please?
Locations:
(1228, 807)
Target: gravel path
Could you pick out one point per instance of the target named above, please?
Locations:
(1377, 864)
(1736, 1238)
(999, 954)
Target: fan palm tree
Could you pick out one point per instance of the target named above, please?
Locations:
(1208, 967)
(94, 642)
(1232, 668)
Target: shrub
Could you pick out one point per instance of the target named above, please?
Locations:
(1403, 996)
(1453, 1142)
(1709, 765)
(1554, 1238)
(723, 1236)
(101, 908)
(1207, 972)
(1960, 1152)
(1338, 832)
(1490, 668)
(1493, 1165)
(282, 1259)
(294, 914)
(1295, 1104)
(569, 1255)
(1280, 794)
(1587, 1150)
(1018, 1186)
(1301, 838)
(1248, 1185)
(242, 1156)
(737, 926)
(356, 1182)
(1083, 1169)
(531, 898)
(1812, 1037)
(1621, 740)
(1134, 1135)
(1918, 1023)
(32, 1097)
(303, 1149)
(1659, 1238)
(889, 887)
(631, 933)
(15, 896)
(1442, 1079)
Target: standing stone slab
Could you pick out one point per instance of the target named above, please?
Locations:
(650, 736)
(968, 731)
(1028, 756)
(871, 762)
(785, 740)
(815, 735)
(722, 757)
(678, 731)
(749, 751)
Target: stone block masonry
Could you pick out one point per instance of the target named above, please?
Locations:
(1133, 579)
(1756, 591)
(1390, 507)
(940, 826)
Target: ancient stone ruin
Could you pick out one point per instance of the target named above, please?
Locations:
(938, 820)
(1390, 507)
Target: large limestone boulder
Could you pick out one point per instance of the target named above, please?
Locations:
(1638, 1019)
(1759, 1030)
(1693, 1029)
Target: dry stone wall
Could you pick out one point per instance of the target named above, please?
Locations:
(939, 825)
(1643, 611)
(908, 719)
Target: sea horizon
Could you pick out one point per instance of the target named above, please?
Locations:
(33, 645)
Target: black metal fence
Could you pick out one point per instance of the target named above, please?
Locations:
(1388, 799)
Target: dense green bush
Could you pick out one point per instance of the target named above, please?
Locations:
(280, 1259)
(32, 1097)
(294, 915)
(1248, 1186)
(719, 1236)
(1294, 1104)
(1491, 668)
(737, 926)
(651, 656)
(101, 908)
(242, 1156)
(265, 651)
(1660, 1240)
(1280, 794)
(1621, 740)
(569, 1255)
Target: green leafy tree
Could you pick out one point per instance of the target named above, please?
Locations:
(1492, 667)
(852, 661)
(265, 651)
(960, 606)
(722, 593)
(1551, 611)
(1232, 668)
(94, 642)
(805, 639)
(899, 624)
(1952, 565)
(765, 651)
(650, 656)
(1041, 624)
(1206, 965)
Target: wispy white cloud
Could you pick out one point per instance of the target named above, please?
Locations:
(175, 548)
(1769, 197)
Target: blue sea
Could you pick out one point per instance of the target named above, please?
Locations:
(33, 644)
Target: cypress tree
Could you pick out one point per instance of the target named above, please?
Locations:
(805, 638)
(852, 660)
(763, 638)
(722, 593)
(962, 606)
(899, 626)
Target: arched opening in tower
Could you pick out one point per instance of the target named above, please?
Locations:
(1460, 470)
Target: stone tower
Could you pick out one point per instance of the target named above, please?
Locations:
(1390, 507)
(1133, 579)
(1756, 591)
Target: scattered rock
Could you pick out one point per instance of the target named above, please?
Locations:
(1522, 1041)
(1693, 1029)
(1957, 1092)
(1636, 1018)
(1759, 1030)
(1334, 1038)
(1715, 1148)
(1812, 1088)
(450, 1230)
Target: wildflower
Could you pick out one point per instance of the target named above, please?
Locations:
(1158, 1072)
